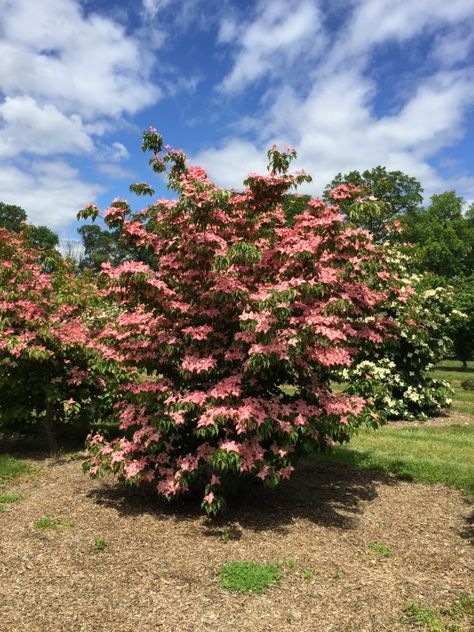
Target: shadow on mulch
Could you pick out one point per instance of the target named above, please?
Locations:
(468, 531)
(324, 494)
(36, 448)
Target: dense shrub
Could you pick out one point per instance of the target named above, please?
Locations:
(49, 371)
(396, 374)
(236, 325)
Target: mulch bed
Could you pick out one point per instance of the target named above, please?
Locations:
(160, 571)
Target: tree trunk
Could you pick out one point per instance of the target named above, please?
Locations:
(48, 425)
(464, 365)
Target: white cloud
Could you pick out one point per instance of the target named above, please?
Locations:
(26, 126)
(174, 17)
(231, 162)
(455, 46)
(281, 31)
(330, 139)
(50, 192)
(120, 151)
(376, 22)
(228, 30)
(333, 122)
(152, 7)
(85, 65)
(67, 80)
(114, 172)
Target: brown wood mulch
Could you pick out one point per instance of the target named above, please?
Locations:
(160, 571)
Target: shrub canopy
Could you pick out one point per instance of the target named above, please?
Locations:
(236, 325)
(50, 371)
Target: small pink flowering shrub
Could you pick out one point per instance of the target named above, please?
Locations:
(235, 325)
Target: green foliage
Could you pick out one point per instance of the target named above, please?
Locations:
(42, 237)
(101, 246)
(379, 550)
(425, 617)
(462, 331)
(9, 498)
(12, 217)
(100, 544)
(249, 576)
(468, 385)
(51, 523)
(294, 204)
(141, 188)
(225, 535)
(395, 195)
(461, 607)
(443, 619)
(443, 237)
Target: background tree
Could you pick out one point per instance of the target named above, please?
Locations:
(107, 245)
(396, 193)
(397, 373)
(101, 246)
(50, 372)
(42, 237)
(443, 237)
(13, 218)
(462, 333)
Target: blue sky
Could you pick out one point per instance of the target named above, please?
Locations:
(350, 83)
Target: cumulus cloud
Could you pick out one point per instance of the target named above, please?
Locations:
(375, 22)
(120, 152)
(85, 65)
(333, 120)
(26, 126)
(67, 78)
(280, 32)
(152, 7)
(51, 192)
(231, 162)
(114, 172)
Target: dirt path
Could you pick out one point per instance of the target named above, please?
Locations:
(160, 571)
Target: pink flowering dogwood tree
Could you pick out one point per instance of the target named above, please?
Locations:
(50, 372)
(235, 327)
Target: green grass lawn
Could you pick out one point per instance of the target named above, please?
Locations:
(420, 453)
(452, 371)
(11, 468)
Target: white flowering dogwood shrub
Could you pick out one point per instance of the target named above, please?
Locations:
(396, 373)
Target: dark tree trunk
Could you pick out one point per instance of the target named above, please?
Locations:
(48, 425)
